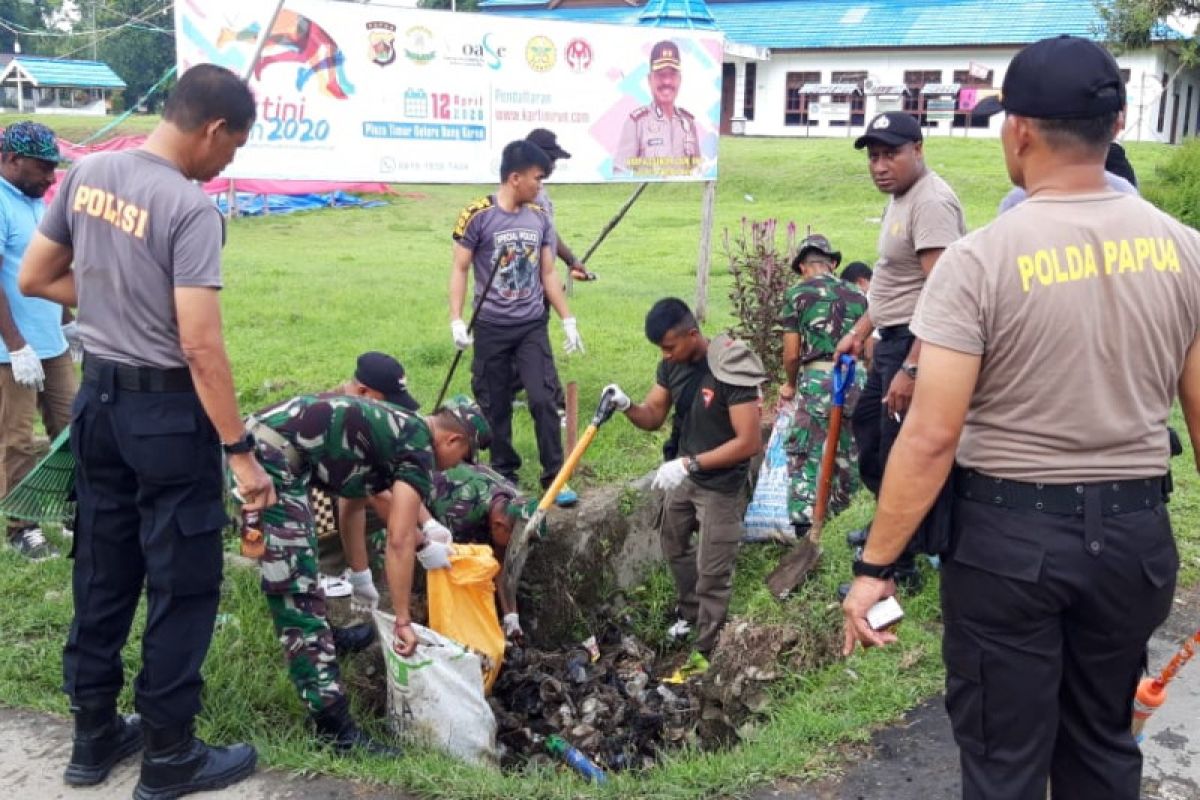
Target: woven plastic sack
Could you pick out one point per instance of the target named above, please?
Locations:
(435, 696)
(462, 604)
(767, 515)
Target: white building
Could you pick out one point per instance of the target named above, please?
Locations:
(824, 67)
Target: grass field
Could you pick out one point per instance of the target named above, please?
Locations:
(306, 293)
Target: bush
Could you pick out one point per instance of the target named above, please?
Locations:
(761, 276)
(1177, 188)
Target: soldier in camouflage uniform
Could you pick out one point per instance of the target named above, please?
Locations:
(349, 447)
(816, 314)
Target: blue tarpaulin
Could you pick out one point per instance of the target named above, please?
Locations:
(253, 205)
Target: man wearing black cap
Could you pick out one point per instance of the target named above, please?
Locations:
(659, 138)
(379, 377)
(548, 142)
(1062, 559)
(923, 216)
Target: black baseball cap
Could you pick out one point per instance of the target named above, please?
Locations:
(1065, 77)
(381, 372)
(892, 128)
(548, 142)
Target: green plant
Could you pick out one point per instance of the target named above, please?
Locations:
(1176, 189)
(760, 277)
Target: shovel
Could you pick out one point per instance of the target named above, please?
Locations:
(518, 548)
(798, 562)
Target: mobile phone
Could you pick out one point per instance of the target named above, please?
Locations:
(884, 614)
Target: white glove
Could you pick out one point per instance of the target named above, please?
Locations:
(670, 475)
(462, 337)
(436, 532)
(620, 400)
(574, 343)
(434, 555)
(74, 340)
(364, 596)
(512, 626)
(27, 368)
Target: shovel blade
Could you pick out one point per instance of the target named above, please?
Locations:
(794, 568)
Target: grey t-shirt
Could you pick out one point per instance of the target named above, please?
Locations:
(138, 229)
(543, 200)
(511, 243)
(1017, 195)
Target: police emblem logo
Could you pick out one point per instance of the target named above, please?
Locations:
(578, 55)
(881, 124)
(381, 37)
(541, 54)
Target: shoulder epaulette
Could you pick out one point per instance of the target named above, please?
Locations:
(683, 112)
(464, 219)
(639, 112)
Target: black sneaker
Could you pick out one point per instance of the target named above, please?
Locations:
(354, 638)
(32, 544)
(102, 739)
(337, 728)
(176, 763)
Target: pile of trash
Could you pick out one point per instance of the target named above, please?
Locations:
(605, 698)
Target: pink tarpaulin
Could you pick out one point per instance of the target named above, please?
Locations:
(73, 152)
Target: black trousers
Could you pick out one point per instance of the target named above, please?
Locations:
(560, 397)
(148, 480)
(526, 347)
(1046, 623)
(874, 430)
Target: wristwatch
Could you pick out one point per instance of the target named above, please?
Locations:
(693, 465)
(910, 370)
(864, 569)
(243, 445)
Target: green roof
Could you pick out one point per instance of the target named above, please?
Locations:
(65, 72)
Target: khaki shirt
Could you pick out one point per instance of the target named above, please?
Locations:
(926, 217)
(1083, 309)
(653, 143)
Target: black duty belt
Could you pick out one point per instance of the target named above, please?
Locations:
(894, 332)
(1116, 497)
(138, 379)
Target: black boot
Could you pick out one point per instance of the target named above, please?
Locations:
(337, 728)
(353, 639)
(177, 763)
(102, 739)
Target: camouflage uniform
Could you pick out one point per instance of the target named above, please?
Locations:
(822, 310)
(463, 497)
(350, 447)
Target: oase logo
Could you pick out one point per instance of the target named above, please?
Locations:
(487, 52)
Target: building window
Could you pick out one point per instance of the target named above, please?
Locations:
(795, 110)
(1162, 103)
(914, 101)
(857, 101)
(964, 78)
(748, 94)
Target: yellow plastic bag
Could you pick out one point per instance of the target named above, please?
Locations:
(462, 605)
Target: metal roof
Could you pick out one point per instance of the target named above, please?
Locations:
(64, 72)
(845, 24)
(677, 14)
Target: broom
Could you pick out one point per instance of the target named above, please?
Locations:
(42, 495)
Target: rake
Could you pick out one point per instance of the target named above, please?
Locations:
(42, 495)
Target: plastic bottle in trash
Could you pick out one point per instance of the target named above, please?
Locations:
(253, 544)
(558, 746)
(1150, 695)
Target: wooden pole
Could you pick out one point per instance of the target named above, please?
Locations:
(704, 263)
(572, 415)
(258, 47)
(231, 201)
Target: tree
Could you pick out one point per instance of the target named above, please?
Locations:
(1130, 24)
(138, 45)
(27, 15)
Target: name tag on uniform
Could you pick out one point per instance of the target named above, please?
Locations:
(654, 142)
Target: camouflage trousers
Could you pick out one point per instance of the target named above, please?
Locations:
(290, 582)
(806, 443)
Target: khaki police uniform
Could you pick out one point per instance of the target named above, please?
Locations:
(655, 142)
(1082, 309)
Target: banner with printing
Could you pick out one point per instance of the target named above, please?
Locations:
(356, 92)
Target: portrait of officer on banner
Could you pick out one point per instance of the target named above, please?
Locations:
(660, 138)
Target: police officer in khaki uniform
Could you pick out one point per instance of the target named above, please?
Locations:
(1054, 341)
(660, 138)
